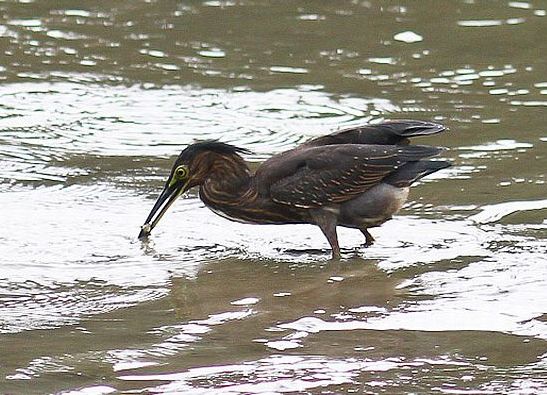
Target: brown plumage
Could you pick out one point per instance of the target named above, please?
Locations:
(355, 178)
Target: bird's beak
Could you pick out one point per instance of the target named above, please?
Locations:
(167, 197)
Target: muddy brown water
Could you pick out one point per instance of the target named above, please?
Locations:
(97, 98)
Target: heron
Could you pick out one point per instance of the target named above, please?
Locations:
(357, 177)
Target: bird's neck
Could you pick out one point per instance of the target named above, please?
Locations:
(230, 191)
(228, 183)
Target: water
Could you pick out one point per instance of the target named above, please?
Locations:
(95, 103)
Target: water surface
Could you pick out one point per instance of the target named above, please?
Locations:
(97, 100)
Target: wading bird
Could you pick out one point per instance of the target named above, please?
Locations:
(356, 178)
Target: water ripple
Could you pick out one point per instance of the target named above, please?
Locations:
(58, 120)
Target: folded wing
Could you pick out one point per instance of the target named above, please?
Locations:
(318, 176)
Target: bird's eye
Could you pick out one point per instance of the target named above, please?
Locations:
(181, 171)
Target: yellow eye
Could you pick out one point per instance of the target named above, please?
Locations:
(181, 172)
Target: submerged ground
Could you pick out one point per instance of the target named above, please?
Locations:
(97, 100)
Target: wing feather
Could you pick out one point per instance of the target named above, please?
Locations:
(396, 132)
(336, 174)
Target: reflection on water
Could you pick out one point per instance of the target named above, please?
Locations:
(95, 101)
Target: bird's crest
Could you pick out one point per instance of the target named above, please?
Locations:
(211, 145)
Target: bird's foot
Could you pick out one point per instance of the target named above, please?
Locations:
(369, 240)
(336, 256)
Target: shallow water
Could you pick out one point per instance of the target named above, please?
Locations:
(95, 103)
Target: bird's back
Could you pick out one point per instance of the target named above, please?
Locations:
(362, 144)
(386, 133)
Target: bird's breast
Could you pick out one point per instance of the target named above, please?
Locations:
(246, 205)
(232, 216)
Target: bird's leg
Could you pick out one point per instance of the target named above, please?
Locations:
(369, 240)
(332, 237)
(327, 224)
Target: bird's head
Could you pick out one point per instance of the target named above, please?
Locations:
(190, 169)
